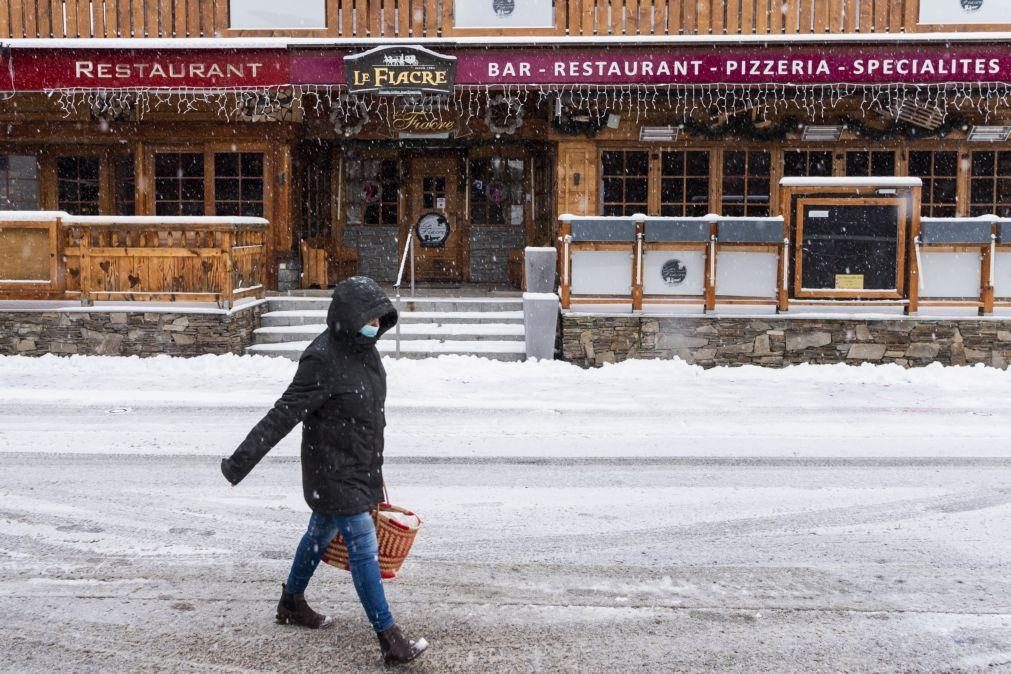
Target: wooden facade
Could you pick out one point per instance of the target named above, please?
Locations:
(413, 19)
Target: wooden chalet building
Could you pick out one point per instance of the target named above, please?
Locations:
(343, 123)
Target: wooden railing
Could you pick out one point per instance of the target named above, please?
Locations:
(136, 258)
(412, 19)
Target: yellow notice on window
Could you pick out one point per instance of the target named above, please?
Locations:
(849, 281)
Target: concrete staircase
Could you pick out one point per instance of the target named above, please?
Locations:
(487, 326)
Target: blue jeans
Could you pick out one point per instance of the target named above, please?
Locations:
(359, 534)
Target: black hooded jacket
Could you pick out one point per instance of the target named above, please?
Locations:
(339, 395)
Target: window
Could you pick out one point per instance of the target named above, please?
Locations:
(496, 191)
(939, 172)
(990, 189)
(125, 189)
(179, 183)
(19, 182)
(77, 185)
(807, 163)
(372, 191)
(866, 163)
(625, 180)
(257, 14)
(746, 183)
(238, 184)
(684, 183)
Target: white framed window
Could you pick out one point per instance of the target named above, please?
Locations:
(503, 14)
(274, 15)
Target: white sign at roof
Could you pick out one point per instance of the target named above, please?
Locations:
(503, 14)
(263, 14)
(965, 11)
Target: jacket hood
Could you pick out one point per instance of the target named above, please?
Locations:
(356, 301)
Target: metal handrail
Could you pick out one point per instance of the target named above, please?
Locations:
(408, 253)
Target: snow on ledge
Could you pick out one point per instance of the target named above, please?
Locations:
(850, 182)
(31, 216)
(162, 220)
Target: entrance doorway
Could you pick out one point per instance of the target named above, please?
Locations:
(433, 198)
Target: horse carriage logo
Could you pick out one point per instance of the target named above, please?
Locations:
(673, 272)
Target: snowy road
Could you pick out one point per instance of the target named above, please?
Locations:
(569, 543)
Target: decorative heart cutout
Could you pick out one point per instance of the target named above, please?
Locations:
(207, 266)
(134, 280)
(74, 272)
(105, 266)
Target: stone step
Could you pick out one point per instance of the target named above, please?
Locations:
(426, 304)
(493, 350)
(315, 317)
(506, 332)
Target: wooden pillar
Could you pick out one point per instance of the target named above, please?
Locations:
(565, 262)
(986, 273)
(710, 279)
(637, 256)
(577, 177)
(913, 291)
(85, 233)
(228, 284)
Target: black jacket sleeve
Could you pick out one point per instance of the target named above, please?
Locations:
(306, 393)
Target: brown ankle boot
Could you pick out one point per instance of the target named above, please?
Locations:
(294, 610)
(397, 648)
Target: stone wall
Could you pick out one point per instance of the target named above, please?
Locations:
(378, 254)
(489, 252)
(776, 341)
(106, 333)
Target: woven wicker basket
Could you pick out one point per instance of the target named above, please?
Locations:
(395, 541)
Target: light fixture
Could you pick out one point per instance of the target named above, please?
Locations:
(989, 134)
(659, 134)
(821, 134)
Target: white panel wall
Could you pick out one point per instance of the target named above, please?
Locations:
(601, 272)
(694, 263)
(746, 274)
(949, 275)
(1002, 275)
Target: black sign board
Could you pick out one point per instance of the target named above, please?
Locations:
(400, 71)
(433, 230)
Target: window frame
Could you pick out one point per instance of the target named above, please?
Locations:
(208, 150)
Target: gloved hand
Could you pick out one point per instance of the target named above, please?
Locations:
(230, 472)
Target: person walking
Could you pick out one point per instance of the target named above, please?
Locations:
(339, 396)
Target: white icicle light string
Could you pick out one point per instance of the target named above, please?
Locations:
(469, 102)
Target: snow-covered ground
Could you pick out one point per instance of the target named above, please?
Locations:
(646, 516)
(469, 407)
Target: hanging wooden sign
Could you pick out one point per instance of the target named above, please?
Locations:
(399, 71)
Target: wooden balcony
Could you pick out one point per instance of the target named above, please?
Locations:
(413, 19)
(52, 255)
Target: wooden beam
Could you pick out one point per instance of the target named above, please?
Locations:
(836, 19)
(806, 15)
(747, 24)
(880, 16)
(30, 17)
(790, 18)
(866, 20)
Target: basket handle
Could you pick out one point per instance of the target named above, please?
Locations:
(386, 493)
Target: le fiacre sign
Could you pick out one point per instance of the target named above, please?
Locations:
(965, 11)
(400, 71)
(503, 14)
(412, 70)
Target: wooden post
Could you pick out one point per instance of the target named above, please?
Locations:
(58, 277)
(710, 279)
(986, 274)
(637, 257)
(566, 264)
(228, 286)
(783, 270)
(913, 291)
(85, 234)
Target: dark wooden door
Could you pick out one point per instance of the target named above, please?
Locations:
(434, 188)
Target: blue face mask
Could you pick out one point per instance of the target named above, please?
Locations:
(369, 331)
